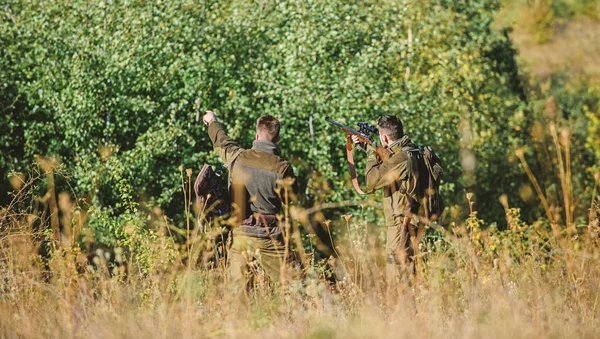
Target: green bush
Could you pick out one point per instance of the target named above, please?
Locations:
(113, 90)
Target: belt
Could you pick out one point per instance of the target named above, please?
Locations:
(268, 220)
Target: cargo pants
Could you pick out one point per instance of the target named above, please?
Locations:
(402, 248)
(245, 251)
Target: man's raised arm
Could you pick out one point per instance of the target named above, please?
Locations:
(225, 147)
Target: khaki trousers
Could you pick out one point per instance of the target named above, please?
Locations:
(244, 252)
(402, 245)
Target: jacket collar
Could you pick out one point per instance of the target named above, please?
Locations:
(400, 143)
(265, 146)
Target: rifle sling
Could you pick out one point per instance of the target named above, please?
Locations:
(352, 168)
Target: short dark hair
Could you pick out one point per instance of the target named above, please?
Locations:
(392, 126)
(268, 127)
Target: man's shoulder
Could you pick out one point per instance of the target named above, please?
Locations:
(398, 156)
(263, 160)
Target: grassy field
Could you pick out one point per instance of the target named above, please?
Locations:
(540, 280)
(530, 280)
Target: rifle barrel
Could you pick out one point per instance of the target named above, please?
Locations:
(348, 130)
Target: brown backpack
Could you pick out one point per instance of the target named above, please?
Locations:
(212, 193)
(213, 198)
(428, 192)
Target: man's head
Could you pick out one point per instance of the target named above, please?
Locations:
(390, 129)
(267, 128)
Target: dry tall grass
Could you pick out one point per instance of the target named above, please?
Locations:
(528, 281)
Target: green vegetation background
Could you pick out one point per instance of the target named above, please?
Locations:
(115, 90)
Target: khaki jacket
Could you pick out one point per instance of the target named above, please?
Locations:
(398, 176)
(253, 175)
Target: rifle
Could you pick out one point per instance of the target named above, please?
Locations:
(364, 136)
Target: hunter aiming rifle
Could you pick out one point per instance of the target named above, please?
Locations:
(430, 167)
(364, 134)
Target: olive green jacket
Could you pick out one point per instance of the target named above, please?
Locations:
(253, 176)
(398, 176)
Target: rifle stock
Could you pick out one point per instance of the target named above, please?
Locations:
(382, 152)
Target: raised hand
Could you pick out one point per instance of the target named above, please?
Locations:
(208, 117)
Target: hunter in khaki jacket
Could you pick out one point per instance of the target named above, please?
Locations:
(398, 177)
(254, 176)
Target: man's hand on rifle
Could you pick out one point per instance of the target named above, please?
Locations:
(208, 117)
(359, 145)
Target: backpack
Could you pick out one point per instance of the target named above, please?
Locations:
(213, 196)
(212, 193)
(428, 187)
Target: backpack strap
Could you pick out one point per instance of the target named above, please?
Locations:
(410, 151)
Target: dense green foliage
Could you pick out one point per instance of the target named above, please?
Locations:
(114, 90)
